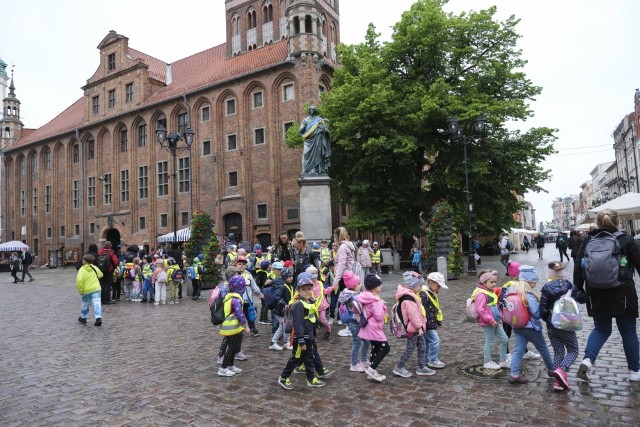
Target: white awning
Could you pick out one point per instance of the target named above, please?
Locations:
(12, 246)
(183, 235)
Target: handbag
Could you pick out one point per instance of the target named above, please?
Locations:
(566, 314)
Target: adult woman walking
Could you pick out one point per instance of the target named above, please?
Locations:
(605, 303)
(343, 261)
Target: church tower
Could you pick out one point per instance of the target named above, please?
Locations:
(4, 81)
(313, 29)
(10, 125)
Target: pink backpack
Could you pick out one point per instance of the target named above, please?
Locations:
(514, 312)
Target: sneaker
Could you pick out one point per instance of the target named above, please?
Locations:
(423, 371)
(156, 303)
(530, 355)
(344, 332)
(561, 376)
(505, 364)
(164, 302)
(357, 368)
(170, 302)
(264, 322)
(364, 365)
(583, 370)
(331, 321)
(288, 346)
(339, 322)
(240, 356)
(285, 383)
(98, 321)
(82, 320)
(275, 346)
(402, 372)
(491, 365)
(557, 386)
(437, 364)
(254, 333)
(522, 379)
(300, 370)
(234, 369)
(220, 359)
(315, 383)
(374, 375)
(176, 302)
(325, 373)
(223, 372)
(634, 376)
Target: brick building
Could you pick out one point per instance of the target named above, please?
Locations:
(95, 171)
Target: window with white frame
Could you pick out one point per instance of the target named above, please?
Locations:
(184, 175)
(92, 228)
(232, 142)
(143, 182)
(47, 199)
(258, 102)
(164, 220)
(287, 92)
(106, 188)
(163, 178)
(91, 191)
(205, 114)
(75, 193)
(206, 148)
(231, 106)
(142, 135)
(22, 202)
(34, 200)
(124, 185)
(233, 179)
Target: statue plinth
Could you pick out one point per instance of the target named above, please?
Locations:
(315, 207)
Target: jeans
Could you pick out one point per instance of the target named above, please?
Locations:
(128, 290)
(274, 322)
(146, 287)
(540, 251)
(433, 345)
(522, 337)
(359, 345)
(489, 334)
(602, 330)
(89, 299)
(375, 268)
(279, 333)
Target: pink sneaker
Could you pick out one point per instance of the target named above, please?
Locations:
(364, 365)
(561, 376)
(357, 368)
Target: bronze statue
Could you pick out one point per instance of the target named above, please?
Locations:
(317, 144)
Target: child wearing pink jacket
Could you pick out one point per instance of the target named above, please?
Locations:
(414, 316)
(375, 311)
(319, 293)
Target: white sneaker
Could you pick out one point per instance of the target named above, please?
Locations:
(344, 332)
(436, 364)
(156, 303)
(331, 321)
(234, 369)
(223, 372)
(584, 368)
(220, 359)
(339, 322)
(357, 368)
(374, 375)
(634, 376)
(491, 365)
(275, 346)
(531, 355)
(288, 346)
(506, 364)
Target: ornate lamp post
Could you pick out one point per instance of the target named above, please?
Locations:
(457, 132)
(170, 143)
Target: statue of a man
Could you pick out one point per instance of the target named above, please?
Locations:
(317, 144)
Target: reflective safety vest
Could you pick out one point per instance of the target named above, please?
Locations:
(493, 298)
(290, 289)
(147, 271)
(325, 255)
(375, 256)
(231, 324)
(312, 310)
(232, 257)
(436, 303)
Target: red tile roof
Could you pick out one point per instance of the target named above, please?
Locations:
(192, 73)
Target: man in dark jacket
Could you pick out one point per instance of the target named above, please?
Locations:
(539, 242)
(619, 303)
(107, 277)
(27, 260)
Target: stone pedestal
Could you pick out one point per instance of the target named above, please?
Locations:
(315, 207)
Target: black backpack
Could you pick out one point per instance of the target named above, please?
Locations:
(217, 311)
(103, 262)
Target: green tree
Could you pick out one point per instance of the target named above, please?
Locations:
(389, 108)
(204, 241)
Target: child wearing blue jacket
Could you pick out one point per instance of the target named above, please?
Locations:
(532, 331)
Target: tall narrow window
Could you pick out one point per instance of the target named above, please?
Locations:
(76, 153)
(163, 220)
(106, 188)
(47, 159)
(184, 175)
(163, 178)
(76, 194)
(92, 228)
(23, 167)
(232, 142)
(95, 104)
(91, 149)
(233, 179)
(111, 61)
(142, 223)
(143, 182)
(182, 123)
(91, 191)
(231, 106)
(257, 100)
(206, 148)
(124, 185)
(47, 199)
(287, 92)
(124, 142)
(206, 114)
(262, 211)
(34, 200)
(22, 203)
(142, 135)
(112, 98)
(129, 92)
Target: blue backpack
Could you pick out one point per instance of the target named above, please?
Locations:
(269, 297)
(191, 273)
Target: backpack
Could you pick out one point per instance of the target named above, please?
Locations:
(351, 311)
(396, 323)
(269, 297)
(514, 311)
(133, 274)
(177, 275)
(416, 258)
(191, 273)
(288, 318)
(103, 262)
(217, 311)
(509, 246)
(117, 274)
(562, 242)
(162, 277)
(471, 309)
(603, 260)
(566, 314)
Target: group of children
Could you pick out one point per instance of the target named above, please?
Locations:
(518, 296)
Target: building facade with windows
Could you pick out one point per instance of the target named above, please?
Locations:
(95, 172)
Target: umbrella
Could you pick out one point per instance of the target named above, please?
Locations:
(13, 246)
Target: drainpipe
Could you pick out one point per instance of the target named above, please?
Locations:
(82, 183)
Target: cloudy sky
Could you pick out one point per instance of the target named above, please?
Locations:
(582, 52)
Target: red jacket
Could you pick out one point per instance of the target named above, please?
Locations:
(114, 257)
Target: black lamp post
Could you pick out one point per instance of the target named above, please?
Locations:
(457, 132)
(170, 143)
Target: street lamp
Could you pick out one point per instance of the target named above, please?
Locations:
(458, 133)
(170, 143)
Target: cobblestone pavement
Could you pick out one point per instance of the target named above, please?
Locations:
(151, 365)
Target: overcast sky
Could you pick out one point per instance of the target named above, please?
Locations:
(584, 54)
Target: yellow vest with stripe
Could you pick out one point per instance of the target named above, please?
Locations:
(325, 254)
(232, 257)
(231, 324)
(312, 309)
(436, 303)
(491, 297)
(375, 257)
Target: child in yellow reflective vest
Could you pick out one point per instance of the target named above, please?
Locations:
(489, 318)
(431, 303)
(234, 324)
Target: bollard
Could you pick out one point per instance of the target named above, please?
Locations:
(442, 267)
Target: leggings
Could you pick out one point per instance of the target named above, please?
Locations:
(379, 349)
(233, 346)
(559, 341)
(225, 345)
(411, 347)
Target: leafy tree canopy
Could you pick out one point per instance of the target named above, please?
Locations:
(389, 108)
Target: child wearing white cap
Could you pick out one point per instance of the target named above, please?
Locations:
(431, 303)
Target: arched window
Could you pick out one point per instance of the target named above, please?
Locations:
(46, 158)
(308, 27)
(251, 19)
(7, 132)
(235, 25)
(34, 164)
(296, 25)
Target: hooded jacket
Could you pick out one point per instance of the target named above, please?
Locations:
(364, 256)
(411, 313)
(375, 311)
(552, 292)
(87, 280)
(481, 301)
(345, 257)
